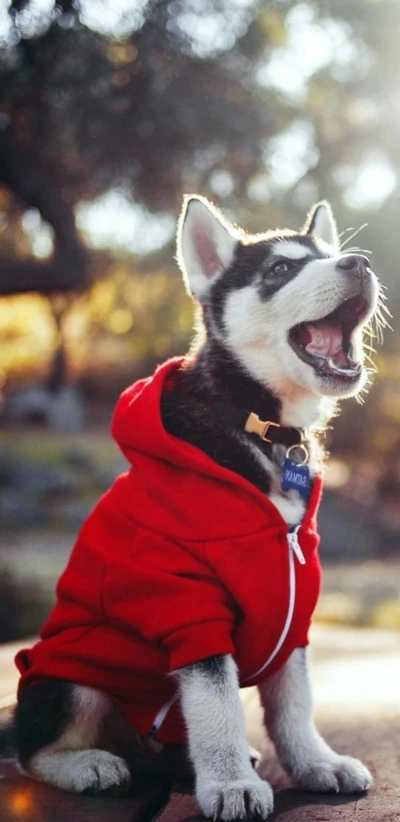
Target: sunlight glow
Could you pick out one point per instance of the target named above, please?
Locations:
(354, 684)
(373, 181)
(118, 18)
(112, 221)
(310, 47)
(221, 183)
(258, 189)
(338, 685)
(289, 155)
(35, 18)
(40, 234)
(5, 23)
(210, 31)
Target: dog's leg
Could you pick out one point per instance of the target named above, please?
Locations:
(311, 763)
(226, 785)
(57, 729)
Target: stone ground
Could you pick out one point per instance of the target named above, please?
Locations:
(356, 678)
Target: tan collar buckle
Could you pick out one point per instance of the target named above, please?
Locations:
(256, 426)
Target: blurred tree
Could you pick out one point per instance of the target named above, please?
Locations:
(265, 105)
(83, 112)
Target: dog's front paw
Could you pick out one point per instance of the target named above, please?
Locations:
(98, 771)
(236, 799)
(341, 774)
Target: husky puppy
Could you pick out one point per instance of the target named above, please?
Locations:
(280, 333)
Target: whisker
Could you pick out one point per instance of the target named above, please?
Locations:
(355, 249)
(345, 231)
(370, 372)
(373, 366)
(379, 333)
(385, 308)
(360, 396)
(355, 232)
(383, 321)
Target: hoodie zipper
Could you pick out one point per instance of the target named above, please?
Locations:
(294, 550)
(160, 716)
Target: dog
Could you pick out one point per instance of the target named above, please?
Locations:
(198, 571)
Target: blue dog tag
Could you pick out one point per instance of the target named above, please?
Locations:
(295, 476)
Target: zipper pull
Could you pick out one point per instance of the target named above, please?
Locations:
(293, 542)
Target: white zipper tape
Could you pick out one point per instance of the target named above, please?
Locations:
(159, 718)
(293, 549)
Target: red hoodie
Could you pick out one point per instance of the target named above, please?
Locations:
(181, 559)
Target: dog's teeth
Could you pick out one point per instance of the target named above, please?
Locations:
(346, 371)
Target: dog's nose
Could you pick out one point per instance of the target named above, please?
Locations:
(356, 264)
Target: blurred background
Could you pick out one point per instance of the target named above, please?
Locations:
(109, 111)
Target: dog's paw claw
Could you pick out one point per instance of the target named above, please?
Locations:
(341, 774)
(236, 799)
(255, 757)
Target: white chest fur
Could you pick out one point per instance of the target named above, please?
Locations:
(290, 505)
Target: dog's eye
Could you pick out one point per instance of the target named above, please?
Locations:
(282, 267)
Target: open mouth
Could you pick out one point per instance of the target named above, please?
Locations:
(326, 344)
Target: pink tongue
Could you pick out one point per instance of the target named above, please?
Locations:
(326, 340)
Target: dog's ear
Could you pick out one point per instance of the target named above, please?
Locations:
(206, 244)
(321, 224)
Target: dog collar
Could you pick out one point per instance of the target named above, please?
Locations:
(268, 431)
(274, 433)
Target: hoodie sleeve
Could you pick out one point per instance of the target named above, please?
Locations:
(168, 594)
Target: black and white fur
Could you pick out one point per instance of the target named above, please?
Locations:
(250, 291)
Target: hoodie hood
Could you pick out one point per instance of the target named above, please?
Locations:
(177, 488)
